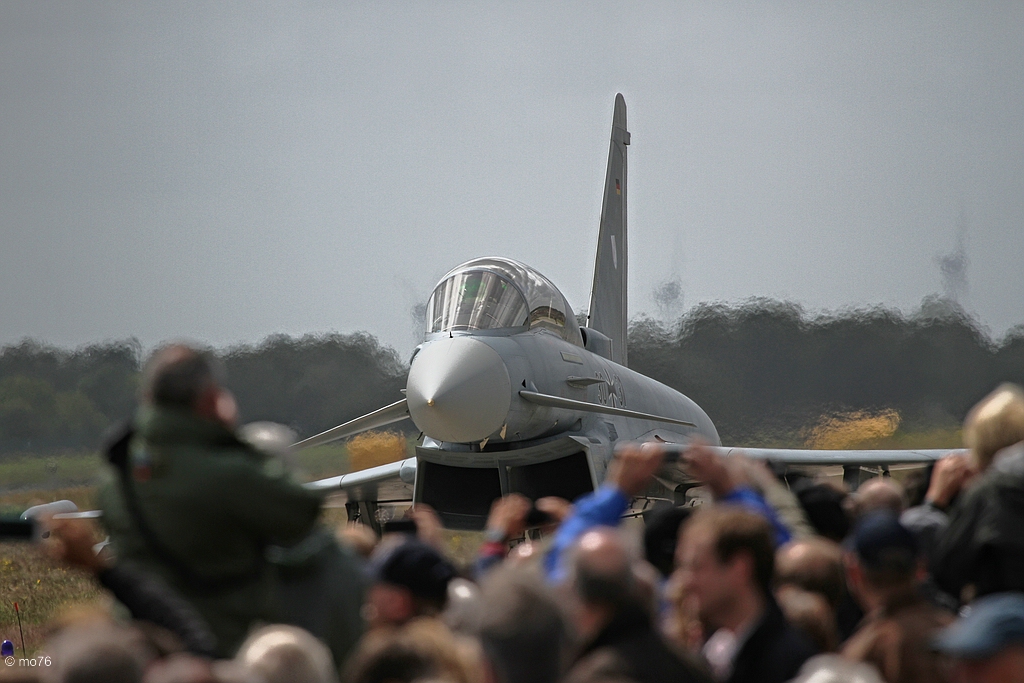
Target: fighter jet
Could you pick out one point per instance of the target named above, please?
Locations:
(512, 394)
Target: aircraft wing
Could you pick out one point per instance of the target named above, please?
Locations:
(394, 480)
(851, 460)
(390, 482)
(384, 483)
(396, 412)
(796, 456)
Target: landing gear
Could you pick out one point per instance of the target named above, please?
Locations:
(364, 512)
(851, 476)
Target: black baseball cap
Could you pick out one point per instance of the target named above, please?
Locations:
(414, 565)
(882, 544)
(993, 623)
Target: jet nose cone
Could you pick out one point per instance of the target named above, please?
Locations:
(458, 390)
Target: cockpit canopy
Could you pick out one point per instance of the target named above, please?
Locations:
(497, 293)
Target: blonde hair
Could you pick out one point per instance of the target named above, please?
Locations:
(287, 653)
(997, 421)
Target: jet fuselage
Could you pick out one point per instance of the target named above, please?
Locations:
(515, 401)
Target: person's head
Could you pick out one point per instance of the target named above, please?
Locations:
(987, 645)
(410, 579)
(602, 566)
(883, 559)
(647, 586)
(809, 612)
(661, 534)
(183, 378)
(96, 650)
(524, 634)
(281, 653)
(422, 650)
(726, 558)
(814, 564)
(382, 658)
(184, 667)
(463, 611)
(824, 505)
(997, 421)
(880, 493)
(833, 668)
(361, 538)
(603, 582)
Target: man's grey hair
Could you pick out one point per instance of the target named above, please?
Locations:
(523, 631)
(176, 376)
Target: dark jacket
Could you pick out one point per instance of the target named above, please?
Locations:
(203, 508)
(150, 599)
(629, 646)
(984, 543)
(320, 587)
(774, 651)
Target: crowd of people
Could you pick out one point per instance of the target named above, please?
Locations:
(219, 570)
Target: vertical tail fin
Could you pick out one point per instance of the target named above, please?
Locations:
(607, 312)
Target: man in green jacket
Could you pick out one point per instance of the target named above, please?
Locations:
(186, 499)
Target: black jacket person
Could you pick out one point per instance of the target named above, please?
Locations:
(725, 563)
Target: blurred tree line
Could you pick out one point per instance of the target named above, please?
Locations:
(53, 399)
(765, 369)
(757, 368)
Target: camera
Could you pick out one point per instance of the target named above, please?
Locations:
(14, 529)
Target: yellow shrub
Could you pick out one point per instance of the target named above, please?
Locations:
(375, 448)
(849, 430)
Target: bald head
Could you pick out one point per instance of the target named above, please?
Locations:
(176, 376)
(181, 377)
(287, 653)
(603, 568)
(880, 493)
(603, 550)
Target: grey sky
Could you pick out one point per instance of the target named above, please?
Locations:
(226, 171)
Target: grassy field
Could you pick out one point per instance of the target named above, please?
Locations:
(26, 472)
(44, 591)
(41, 589)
